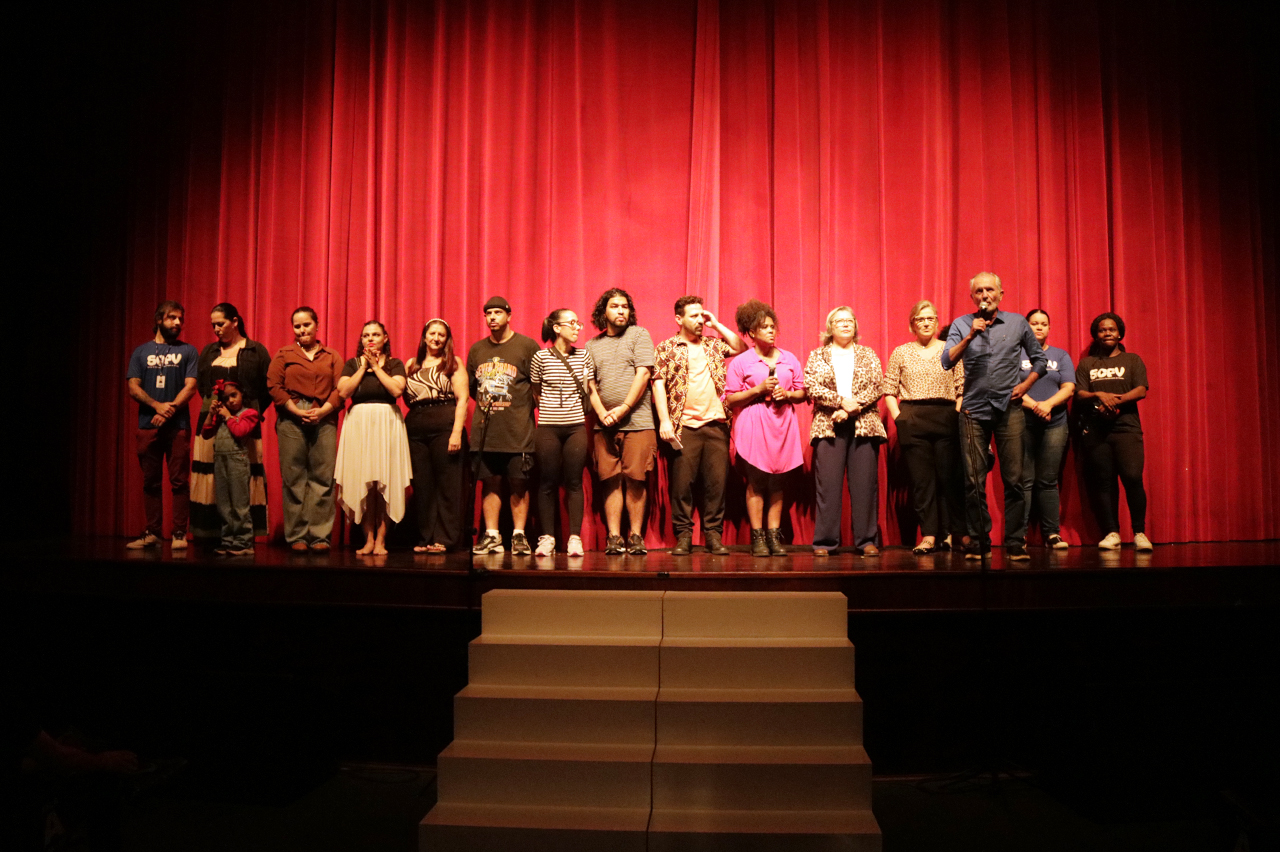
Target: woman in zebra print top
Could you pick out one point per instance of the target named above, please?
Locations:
(436, 392)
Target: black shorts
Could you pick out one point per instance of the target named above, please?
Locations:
(512, 466)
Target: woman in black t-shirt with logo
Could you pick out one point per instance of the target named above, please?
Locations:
(1109, 383)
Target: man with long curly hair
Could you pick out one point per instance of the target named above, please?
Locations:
(625, 447)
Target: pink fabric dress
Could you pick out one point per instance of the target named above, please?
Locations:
(765, 433)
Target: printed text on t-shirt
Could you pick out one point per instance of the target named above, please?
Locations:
(170, 359)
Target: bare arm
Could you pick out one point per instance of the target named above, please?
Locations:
(394, 384)
(163, 410)
(730, 337)
(1021, 388)
(593, 398)
(665, 429)
(188, 391)
(459, 381)
(347, 384)
(1111, 402)
(1044, 408)
(749, 395)
(634, 394)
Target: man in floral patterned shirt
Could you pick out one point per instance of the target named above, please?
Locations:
(688, 395)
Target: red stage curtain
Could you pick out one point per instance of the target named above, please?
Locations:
(401, 160)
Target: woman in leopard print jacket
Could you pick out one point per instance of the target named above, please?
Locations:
(843, 379)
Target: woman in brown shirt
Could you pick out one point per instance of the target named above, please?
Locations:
(303, 383)
(924, 401)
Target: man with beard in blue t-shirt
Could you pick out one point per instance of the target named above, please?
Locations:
(162, 378)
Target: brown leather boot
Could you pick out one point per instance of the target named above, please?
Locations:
(715, 545)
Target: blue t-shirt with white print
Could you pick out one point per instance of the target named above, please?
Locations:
(1058, 370)
(163, 369)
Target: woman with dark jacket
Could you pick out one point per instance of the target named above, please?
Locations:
(232, 356)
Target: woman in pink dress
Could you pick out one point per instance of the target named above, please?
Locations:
(763, 385)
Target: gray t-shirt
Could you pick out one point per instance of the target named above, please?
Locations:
(616, 360)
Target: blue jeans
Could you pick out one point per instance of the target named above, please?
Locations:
(1043, 448)
(1007, 428)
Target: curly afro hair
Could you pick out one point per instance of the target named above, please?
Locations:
(751, 314)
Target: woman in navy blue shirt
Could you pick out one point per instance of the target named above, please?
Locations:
(1045, 438)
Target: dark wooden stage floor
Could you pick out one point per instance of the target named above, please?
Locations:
(1077, 660)
(1202, 574)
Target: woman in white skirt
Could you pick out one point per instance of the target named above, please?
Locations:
(373, 471)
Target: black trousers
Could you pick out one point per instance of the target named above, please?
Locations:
(705, 457)
(437, 474)
(1109, 455)
(928, 434)
(562, 458)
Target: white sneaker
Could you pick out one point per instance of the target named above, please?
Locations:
(142, 541)
(1111, 542)
(179, 541)
(546, 546)
(574, 547)
(1141, 542)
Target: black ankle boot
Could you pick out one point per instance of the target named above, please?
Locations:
(774, 537)
(758, 545)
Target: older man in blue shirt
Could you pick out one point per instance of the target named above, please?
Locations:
(991, 342)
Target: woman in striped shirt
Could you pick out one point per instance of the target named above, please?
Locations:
(560, 375)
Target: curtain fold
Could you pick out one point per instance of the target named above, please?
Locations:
(405, 159)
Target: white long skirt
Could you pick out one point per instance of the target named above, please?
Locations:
(373, 452)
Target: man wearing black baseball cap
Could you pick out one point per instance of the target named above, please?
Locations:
(502, 424)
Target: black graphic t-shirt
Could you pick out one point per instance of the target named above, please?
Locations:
(1118, 375)
(499, 377)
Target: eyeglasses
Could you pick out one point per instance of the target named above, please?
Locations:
(926, 319)
(844, 322)
(571, 323)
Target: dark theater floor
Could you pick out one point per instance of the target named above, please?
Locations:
(290, 702)
(376, 808)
